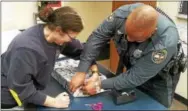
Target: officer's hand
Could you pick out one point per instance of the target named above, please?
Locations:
(93, 78)
(62, 100)
(77, 81)
(90, 87)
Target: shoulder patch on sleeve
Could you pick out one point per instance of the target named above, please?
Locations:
(110, 18)
(159, 56)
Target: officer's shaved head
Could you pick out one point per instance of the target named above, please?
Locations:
(141, 23)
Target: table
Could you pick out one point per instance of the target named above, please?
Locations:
(143, 101)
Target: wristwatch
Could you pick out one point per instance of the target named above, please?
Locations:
(95, 72)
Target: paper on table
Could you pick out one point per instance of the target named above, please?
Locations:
(67, 69)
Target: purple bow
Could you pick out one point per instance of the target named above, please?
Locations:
(97, 106)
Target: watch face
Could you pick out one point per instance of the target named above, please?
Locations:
(95, 72)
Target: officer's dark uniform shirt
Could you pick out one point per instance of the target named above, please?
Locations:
(144, 65)
(27, 64)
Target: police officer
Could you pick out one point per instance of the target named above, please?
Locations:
(145, 40)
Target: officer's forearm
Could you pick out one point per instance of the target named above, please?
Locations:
(84, 66)
(108, 83)
(92, 48)
(119, 82)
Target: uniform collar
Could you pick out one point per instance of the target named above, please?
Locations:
(155, 43)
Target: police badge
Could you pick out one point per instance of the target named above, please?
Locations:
(159, 56)
(137, 53)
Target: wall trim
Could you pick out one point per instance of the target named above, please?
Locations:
(181, 99)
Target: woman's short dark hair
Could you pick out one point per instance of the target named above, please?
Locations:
(65, 17)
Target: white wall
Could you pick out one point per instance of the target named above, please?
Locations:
(17, 15)
(92, 13)
(171, 8)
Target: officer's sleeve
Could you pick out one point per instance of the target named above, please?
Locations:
(72, 49)
(95, 42)
(23, 67)
(142, 71)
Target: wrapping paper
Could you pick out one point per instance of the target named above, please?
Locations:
(65, 70)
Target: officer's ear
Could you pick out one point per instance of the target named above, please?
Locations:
(153, 31)
(156, 29)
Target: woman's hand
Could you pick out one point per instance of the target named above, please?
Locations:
(62, 100)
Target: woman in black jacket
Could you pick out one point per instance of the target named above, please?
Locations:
(29, 60)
